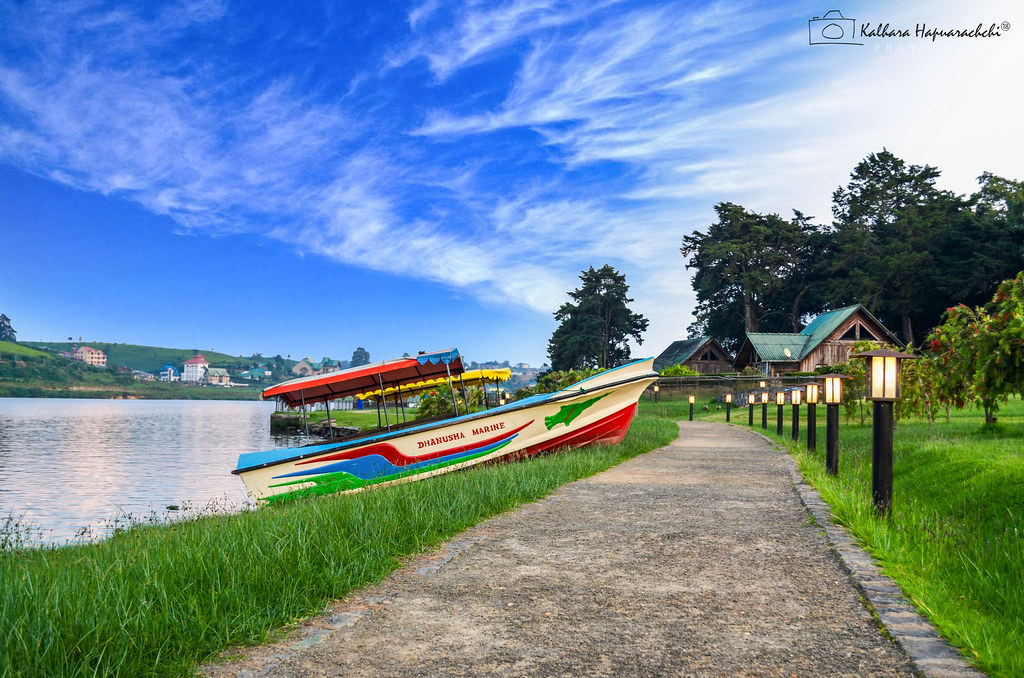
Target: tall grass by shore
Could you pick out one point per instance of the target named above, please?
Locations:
(158, 600)
(953, 542)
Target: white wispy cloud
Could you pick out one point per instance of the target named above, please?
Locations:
(616, 128)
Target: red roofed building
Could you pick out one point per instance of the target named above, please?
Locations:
(195, 369)
(90, 356)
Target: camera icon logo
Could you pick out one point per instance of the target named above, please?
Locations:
(833, 29)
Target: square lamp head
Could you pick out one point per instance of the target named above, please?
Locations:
(834, 388)
(883, 373)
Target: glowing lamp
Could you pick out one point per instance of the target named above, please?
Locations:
(883, 373)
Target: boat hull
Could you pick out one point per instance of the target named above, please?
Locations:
(597, 410)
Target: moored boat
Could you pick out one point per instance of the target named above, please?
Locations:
(595, 410)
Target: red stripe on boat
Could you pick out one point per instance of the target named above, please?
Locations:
(608, 431)
(395, 456)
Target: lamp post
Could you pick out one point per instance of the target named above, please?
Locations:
(728, 407)
(780, 400)
(833, 398)
(655, 392)
(812, 416)
(750, 409)
(764, 410)
(692, 398)
(794, 397)
(883, 389)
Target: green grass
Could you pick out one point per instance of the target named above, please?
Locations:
(953, 540)
(9, 348)
(159, 600)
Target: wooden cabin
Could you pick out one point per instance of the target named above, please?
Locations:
(827, 340)
(702, 354)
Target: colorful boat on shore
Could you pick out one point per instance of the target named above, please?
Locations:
(595, 410)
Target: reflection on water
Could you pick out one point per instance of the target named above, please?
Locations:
(73, 465)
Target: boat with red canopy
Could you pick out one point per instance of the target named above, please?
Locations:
(595, 410)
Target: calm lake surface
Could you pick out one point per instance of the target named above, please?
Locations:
(72, 469)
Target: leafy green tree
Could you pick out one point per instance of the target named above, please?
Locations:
(981, 350)
(360, 356)
(755, 273)
(7, 332)
(985, 243)
(594, 327)
(555, 380)
(891, 222)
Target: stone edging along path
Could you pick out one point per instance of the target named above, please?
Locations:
(697, 558)
(930, 654)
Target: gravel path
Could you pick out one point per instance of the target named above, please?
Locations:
(694, 559)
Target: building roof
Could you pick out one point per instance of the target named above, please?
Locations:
(680, 351)
(773, 347)
(777, 347)
(197, 360)
(827, 323)
(217, 372)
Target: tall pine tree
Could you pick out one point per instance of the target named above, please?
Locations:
(595, 326)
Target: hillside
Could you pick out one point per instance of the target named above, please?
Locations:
(8, 349)
(28, 373)
(152, 358)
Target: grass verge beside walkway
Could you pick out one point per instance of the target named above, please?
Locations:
(160, 600)
(954, 540)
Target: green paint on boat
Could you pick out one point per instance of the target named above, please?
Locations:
(329, 483)
(567, 413)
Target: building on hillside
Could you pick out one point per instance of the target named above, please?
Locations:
(307, 367)
(141, 375)
(90, 356)
(701, 354)
(169, 373)
(218, 376)
(827, 340)
(256, 374)
(195, 369)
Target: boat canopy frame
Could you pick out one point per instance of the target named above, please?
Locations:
(358, 380)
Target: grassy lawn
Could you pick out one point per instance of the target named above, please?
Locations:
(954, 539)
(159, 600)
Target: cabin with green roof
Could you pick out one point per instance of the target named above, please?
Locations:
(827, 340)
(703, 354)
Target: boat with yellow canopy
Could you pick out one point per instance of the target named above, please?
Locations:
(595, 410)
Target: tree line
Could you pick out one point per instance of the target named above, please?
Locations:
(903, 248)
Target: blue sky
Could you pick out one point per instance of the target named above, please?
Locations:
(306, 178)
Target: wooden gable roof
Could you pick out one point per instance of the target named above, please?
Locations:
(851, 323)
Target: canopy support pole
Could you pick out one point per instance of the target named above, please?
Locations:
(330, 427)
(380, 380)
(305, 422)
(465, 398)
(401, 403)
(451, 388)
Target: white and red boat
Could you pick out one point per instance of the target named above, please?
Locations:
(595, 410)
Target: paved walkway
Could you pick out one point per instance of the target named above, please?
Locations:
(696, 559)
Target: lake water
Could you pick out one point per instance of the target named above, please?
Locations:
(69, 467)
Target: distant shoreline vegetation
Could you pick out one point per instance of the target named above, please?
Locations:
(28, 372)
